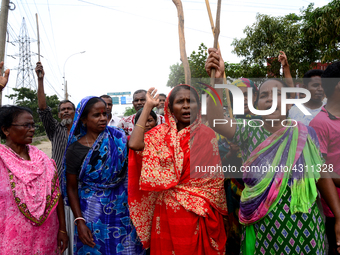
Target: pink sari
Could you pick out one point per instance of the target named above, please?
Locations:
(29, 194)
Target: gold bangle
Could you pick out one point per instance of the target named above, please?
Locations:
(2, 85)
(62, 232)
(140, 126)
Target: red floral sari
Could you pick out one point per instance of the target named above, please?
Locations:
(173, 213)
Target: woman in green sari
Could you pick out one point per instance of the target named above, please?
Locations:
(281, 175)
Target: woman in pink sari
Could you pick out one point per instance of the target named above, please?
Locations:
(31, 219)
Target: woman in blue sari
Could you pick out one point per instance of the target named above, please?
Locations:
(96, 188)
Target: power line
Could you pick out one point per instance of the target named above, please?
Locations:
(25, 76)
(169, 23)
(54, 52)
(55, 77)
(29, 21)
(263, 5)
(51, 86)
(49, 12)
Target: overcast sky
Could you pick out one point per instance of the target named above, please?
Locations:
(129, 44)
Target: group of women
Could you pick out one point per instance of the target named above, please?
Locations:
(138, 194)
(153, 207)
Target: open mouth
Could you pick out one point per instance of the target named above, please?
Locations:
(186, 115)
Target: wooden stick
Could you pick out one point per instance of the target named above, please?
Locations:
(184, 57)
(216, 34)
(218, 47)
(36, 16)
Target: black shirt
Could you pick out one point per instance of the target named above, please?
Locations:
(75, 156)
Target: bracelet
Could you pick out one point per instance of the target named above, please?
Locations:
(79, 218)
(2, 85)
(140, 126)
(62, 232)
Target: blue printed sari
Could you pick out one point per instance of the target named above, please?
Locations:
(102, 191)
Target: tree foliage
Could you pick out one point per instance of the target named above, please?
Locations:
(197, 61)
(266, 38)
(28, 98)
(176, 75)
(129, 111)
(321, 31)
(312, 36)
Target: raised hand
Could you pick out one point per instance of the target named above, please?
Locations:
(282, 58)
(39, 69)
(215, 61)
(152, 99)
(3, 79)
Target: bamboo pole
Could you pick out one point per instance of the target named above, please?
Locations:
(184, 57)
(36, 16)
(218, 47)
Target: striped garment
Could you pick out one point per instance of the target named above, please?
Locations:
(57, 134)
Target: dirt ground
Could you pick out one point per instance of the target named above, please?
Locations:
(46, 147)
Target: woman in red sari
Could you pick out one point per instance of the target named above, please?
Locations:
(173, 212)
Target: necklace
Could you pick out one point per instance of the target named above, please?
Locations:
(88, 145)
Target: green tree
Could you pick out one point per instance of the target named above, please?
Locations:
(313, 36)
(243, 70)
(129, 111)
(28, 98)
(197, 61)
(266, 38)
(176, 75)
(321, 31)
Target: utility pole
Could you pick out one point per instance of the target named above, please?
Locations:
(3, 31)
(66, 94)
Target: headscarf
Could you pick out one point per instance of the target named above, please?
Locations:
(167, 162)
(34, 182)
(244, 82)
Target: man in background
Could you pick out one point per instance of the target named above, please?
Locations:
(327, 127)
(128, 123)
(311, 82)
(160, 108)
(57, 133)
(112, 119)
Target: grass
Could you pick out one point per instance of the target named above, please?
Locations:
(36, 143)
(39, 141)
